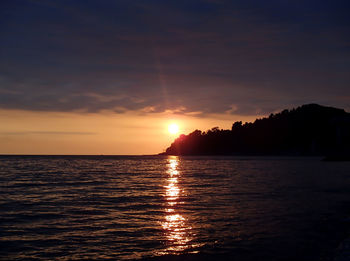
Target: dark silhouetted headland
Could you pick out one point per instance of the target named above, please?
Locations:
(309, 130)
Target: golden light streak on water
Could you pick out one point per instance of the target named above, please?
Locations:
(176, 227)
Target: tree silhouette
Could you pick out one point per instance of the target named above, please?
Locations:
(307, 130)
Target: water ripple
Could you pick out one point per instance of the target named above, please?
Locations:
(123, 208)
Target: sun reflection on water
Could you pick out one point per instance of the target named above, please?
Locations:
(175, 225)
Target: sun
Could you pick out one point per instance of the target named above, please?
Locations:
(173, 128)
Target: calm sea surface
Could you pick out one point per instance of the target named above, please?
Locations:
(122, 208)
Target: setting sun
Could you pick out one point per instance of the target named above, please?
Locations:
(173, 128)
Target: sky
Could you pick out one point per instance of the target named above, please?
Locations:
(108, 77)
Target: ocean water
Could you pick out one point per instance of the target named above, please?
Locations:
(155, 207)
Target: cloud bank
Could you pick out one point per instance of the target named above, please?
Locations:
(197, 57)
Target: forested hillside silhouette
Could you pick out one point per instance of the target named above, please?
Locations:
(307, 130)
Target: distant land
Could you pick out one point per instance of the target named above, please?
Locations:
(309, 130)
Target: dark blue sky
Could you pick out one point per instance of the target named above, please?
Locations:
(245, 57)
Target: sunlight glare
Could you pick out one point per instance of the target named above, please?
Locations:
(175, 225)
(173, 128)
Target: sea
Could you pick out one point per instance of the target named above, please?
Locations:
(172, 208)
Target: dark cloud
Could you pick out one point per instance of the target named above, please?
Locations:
(242, 57)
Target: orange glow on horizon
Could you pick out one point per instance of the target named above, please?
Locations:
(107, 133)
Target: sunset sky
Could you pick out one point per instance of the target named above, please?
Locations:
(108, 77)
